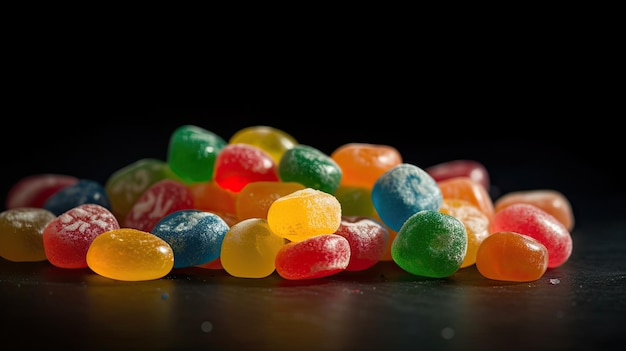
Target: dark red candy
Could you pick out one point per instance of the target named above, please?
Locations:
(34, 190)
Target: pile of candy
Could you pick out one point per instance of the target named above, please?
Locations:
(261, 203)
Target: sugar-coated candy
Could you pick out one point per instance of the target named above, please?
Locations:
(472, 169)
(403, 191)
(126, 185)
(21, 233)
(430, 244)
(531, 220)
(551, 201)
(465, 188)
(367, 238)
(66, 239)
(316, 257)
(476, 225)
(192, 152)
(303, 214)
(128, 254)
(362, 163)
(239, 164)
(269, 139)
(85, 191)
(34, 190)
(511, 256)
(249, 249)
(195, 236)
(355, 201)
(255, 199)
(159, 200)
(209, 196)
(310, 167)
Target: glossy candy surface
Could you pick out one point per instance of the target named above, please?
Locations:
(192, 152)
(130, 255)
(551, 201)
(269, 139)
(195, 236)
(530, 220)
(159, 200)
(249, 249)
(21, 233)
(316, 257)
(362, 163)
(85, 191)
(511, 256)
(34, 190)
(255, 199)
(310, 167)
(476, 225)
(239, 164)
(67, 238)
(367, 238)
(125, 186)
(403, 191)
(430, 244)
(303, 214)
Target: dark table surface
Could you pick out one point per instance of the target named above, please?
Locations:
(578, 306)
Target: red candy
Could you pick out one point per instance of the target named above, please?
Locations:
(531, 220)
(316, 257)
(159, 200)
(33, 191)
(474, 170)
(67, 238)
(367, 238)
(239, 164)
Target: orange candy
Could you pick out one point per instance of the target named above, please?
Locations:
(255, 198)
(361, 164)
(210, 197)
(510, 256)
(465, 188)
(551, 201)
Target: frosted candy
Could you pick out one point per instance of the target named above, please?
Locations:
(310, 167)
(21, 233)
(85, 191)
(367, 238)
(239, 164)
(195, 236)
(316, 257)
(551, 201)
(34, 190)
(403, 191)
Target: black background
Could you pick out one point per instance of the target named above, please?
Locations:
(526, 142)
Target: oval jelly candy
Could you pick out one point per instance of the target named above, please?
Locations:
(192, 152)
(85, 191)
(269, 139)
(310, 167)
(21, 233)
(316, 257)
(367, 239)
(362, 163)
(34, 190)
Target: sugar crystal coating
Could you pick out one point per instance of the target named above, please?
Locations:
(85, 191)
(34, 190)
(21, 233)
(316, 257)
(310, 167)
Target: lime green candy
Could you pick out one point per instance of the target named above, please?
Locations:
(430, 244)
(192, 152)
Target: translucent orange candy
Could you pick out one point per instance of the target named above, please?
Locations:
(361, 164)
(465, 188)
(255, 199)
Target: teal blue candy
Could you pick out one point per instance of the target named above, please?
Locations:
(310, 167)
(192, 152)
(403, 191)
(430, 244)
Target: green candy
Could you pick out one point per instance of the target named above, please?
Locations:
(192, 152)
(310, 167)
(430, 244)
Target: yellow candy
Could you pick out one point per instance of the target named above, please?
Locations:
(303, 214)
(21, 234)
(130, 255)
(476, 225)
(269, 139)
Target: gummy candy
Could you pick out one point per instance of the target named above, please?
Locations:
(551, 201)
(34, 190)
(362, 163)
(465, 188)
(367, 239)
(476, 225)
(85, 191)
(192, 152)
(315, 257)
(255, 198)
(239, 164)
(511, 256)
(209, 196)
(21, 233)
(269, 139)
(472, 169)
(310, 167)
(128, 254)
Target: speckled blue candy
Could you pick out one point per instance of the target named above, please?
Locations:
(195, 236)
(403, 191)
(85, 191)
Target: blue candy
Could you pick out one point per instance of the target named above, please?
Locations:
(85, 191)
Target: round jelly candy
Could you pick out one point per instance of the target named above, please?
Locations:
(430, 244)
(130, 255)
(403, 191)
(361, 163)
(316, 257)
(239, 164)
(269, 139)
(531, 220)
(367, 238)
(511, 256)
(192, 152)
(249, 249)
(551, 201)
(475, 221)
(21, 233)
(34, 190)
(67, 238)
(84, 191)
(303, 214)
(310, 167)
(195, 236)
(255, 199)
(125, 186)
